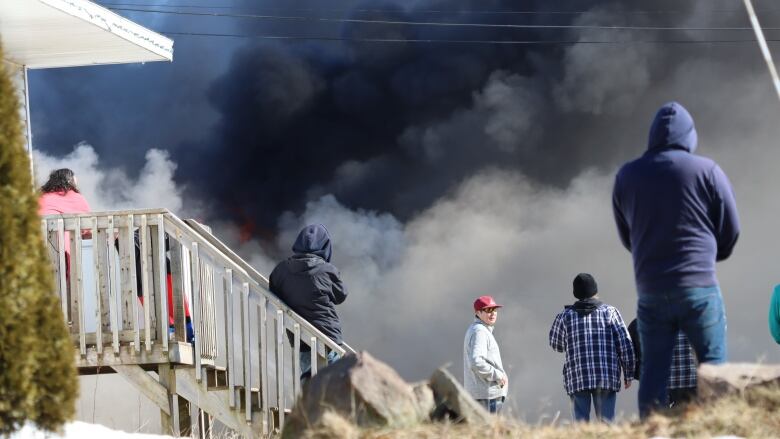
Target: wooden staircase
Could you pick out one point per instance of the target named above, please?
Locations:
(112, 270)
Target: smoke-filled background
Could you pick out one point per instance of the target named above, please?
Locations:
(443, 171)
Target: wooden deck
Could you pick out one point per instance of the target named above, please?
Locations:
(112, 283)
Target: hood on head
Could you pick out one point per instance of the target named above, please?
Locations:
(584, 307)
(314, 239)
(673, 127)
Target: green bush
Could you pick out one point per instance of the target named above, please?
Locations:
(38, 380)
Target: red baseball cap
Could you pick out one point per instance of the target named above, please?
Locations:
(483, 302)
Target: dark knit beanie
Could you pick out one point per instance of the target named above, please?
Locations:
(585, 286)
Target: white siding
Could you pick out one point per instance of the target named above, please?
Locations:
(17, 75)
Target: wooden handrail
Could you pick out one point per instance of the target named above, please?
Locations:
(202, 268)
(261, 281)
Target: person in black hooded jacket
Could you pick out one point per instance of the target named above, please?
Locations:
(311, 286)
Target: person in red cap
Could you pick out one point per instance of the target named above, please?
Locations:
(483, 374)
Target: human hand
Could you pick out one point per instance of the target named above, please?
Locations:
(628, 383)
(503, 381)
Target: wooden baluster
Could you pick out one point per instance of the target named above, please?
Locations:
(98, 285)
(112, 284)
(229, 336)
(296, 359)
(73, 297)
(145, 284)
(161, 274)
(280, 364)
(208, 315)
(196, 307)
(45, 231)
(211, 299)
(180, 281)
(246, 331)
(130, 312)
(77, 273)
(134, 281)
(63, 290)
(264, 379)
(50, 239)
(313, 354)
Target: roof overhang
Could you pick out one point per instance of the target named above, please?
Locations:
(42, 34)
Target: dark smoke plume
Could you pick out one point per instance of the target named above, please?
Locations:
(380, 126)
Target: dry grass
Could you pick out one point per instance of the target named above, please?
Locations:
(755, 414)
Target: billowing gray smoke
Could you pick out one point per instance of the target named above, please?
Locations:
(445, 172)
(273, 124)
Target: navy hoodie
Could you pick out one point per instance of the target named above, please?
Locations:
(309, 284)
(675, 211)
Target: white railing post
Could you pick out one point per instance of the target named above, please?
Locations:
(63, 268)
(280, 364)
(196, 311)
(246, 331)
(229, 335)
(296, 359)
(77, 267)
(112, 285)
(131, 295)
(98, 296)
(45, 231)
(163, 282)
(263, 324)
(313, 353)
(145, 284)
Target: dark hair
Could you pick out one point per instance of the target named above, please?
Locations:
(60, 180)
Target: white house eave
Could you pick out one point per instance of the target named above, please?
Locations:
(66, 33)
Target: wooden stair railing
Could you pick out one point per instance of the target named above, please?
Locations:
(114, 281)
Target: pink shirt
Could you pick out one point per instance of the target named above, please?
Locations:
(54, 203)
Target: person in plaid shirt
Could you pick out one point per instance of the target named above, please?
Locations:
(682, 381)
(597, 346)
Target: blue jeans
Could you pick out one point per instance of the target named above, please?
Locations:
(603, 404)
(699, 313)
(305, 358)
(492, 405)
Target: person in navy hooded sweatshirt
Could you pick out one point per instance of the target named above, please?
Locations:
(676, 214)
(309, 284)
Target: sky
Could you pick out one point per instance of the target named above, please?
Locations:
(444, 171)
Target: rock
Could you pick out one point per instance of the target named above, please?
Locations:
(332, 425)
(718, 380)
(362, 390)
(453, 401)
(424, 394)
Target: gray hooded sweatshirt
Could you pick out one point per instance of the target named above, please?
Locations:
(482, 368)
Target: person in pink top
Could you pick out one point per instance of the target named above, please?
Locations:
(61, 195)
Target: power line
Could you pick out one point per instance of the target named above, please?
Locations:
(420, 11)
(450, 41)
(762, 44)
(439, 23)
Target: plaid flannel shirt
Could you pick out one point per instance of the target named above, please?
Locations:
(597, 347)
(683, 364)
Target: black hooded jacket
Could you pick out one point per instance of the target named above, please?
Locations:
(309, 284)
